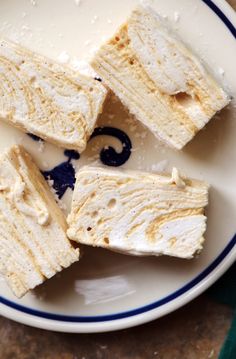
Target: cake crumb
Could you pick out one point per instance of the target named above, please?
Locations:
(25, 27)
(87, 42)
(83, 67)
(160, 166)
(41, 146)
(61, 204)
(221, 71)
(51, 183)
(63, 57)
(176, 16)
(94, 19)
(33, 2)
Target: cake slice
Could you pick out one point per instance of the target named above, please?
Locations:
(138, 213)
(47, 99)
(33, 241)
(159, 79)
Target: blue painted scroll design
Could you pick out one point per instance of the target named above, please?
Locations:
(63, 175)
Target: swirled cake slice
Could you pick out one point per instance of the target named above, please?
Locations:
(138, 213)
(33, 241)
(159, 79)
(47, 99)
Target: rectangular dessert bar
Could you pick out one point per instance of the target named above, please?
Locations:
(159, 79)
(138, 213)
(46, 99)
(33, 241)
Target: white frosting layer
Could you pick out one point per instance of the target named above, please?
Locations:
(156, 50)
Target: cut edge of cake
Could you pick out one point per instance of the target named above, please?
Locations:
(159, 79)
(138, 213)
(47, 99)
(33, 241)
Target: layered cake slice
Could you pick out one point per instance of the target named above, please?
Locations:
(159, 79)
(46, 99)
(138, 213)
(33, 241)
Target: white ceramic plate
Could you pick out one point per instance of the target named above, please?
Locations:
(107, 291)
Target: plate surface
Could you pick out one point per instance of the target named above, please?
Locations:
(107, 291)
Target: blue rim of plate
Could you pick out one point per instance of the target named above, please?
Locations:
(163, 301)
